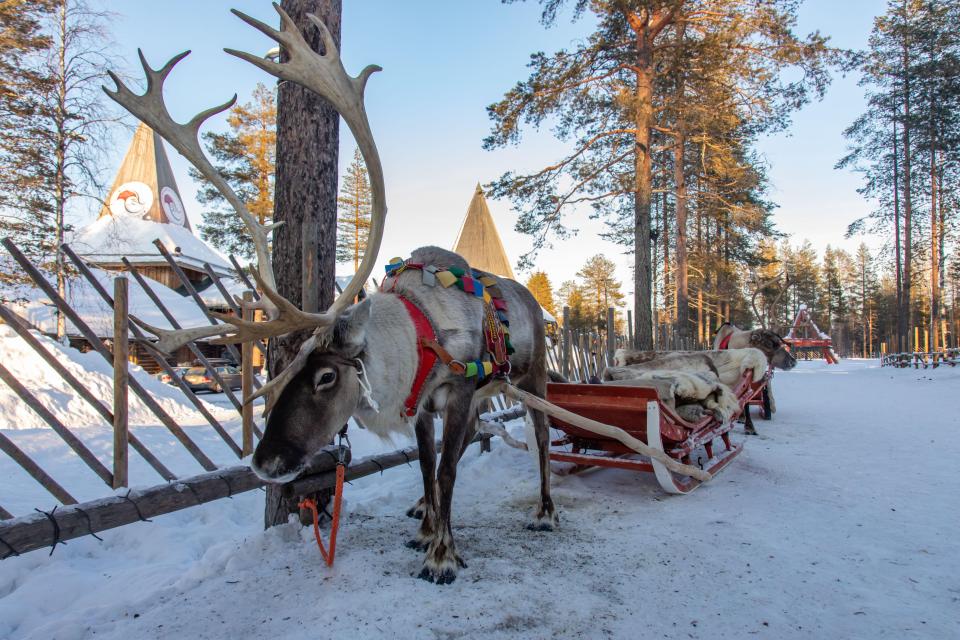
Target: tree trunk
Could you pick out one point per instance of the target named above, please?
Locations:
(305, 196)
(863, 304)
(898, 261)
(643, 119)
(942, 265)
(642, 311)
(907, 203)
(680, 184)
(934, 242)
(60, 177)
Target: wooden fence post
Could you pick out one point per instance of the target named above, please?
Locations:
(611, 335)
(246, 380)
(121, 355)
(630, 344)
(565, 343)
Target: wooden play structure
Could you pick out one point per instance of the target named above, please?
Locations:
(806, 340)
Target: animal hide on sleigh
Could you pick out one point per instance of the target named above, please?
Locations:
(727, 364)
(690, 393)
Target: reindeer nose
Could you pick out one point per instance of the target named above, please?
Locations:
(275, 465)
(270, 468)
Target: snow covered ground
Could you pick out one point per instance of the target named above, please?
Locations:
(839, 521)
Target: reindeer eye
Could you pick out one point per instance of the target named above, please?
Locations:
(326, 379)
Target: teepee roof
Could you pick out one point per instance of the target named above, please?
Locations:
(145, 188)
(143, 206)
(479, 242)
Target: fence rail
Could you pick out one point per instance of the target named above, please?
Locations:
(580, 355)
(920, 359)
(68, 520)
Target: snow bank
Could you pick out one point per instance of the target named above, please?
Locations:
(95, 373)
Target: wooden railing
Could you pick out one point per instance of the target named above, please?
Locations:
(919, 359)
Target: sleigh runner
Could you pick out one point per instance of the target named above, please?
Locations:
(642, 413)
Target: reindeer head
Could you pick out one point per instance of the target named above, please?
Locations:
(773, 346)
(313, 396)
(317, 401)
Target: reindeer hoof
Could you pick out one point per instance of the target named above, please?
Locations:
(442, 560)
(417, 544)
(750, 430)
(446, 576)
(544, 522)
(416, 511)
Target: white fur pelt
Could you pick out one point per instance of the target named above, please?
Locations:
(701, 387)
(732, 363)
(728, 364)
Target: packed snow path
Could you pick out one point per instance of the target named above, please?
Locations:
(839, 521)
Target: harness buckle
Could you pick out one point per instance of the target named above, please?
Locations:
(457, 367)
(341, 450)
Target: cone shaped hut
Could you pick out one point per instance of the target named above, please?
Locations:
(479, 242)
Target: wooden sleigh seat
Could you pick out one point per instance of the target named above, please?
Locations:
(645, 415)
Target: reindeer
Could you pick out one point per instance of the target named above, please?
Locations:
(361, 359)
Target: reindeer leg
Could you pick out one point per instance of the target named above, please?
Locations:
(441, 562)
(428, 503)
(545, 518)
(416, 511)
(748, 427)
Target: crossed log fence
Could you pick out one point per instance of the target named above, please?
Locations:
(578, 355)
(918, 359)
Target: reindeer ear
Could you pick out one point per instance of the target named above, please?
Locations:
(350, 331)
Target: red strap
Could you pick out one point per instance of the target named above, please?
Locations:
(311, 504)
(426, 358)
(725, 343)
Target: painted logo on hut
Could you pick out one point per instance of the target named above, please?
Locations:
(131, 199)
(172, 206)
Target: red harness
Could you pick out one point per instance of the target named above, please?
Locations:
(725, 343)
(426, 358)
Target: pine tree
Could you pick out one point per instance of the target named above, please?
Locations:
(53, 155)
(620, 92)
(572, 296)
(245, 155)
(600, 289)
(905, 147)
(23, 85)
(539, 285)
(354, 204)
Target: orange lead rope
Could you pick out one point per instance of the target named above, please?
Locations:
(310, 503)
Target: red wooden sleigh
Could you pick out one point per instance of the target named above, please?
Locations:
(644, 415)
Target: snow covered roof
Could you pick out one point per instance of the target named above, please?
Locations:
(111, 238)
(548, 317)
(33, 305)
(212, 297)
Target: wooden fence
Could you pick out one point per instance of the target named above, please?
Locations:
(577, 355)
(919, 359)
(69, 519)
(114, 411)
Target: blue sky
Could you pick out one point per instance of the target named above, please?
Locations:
(444, 62)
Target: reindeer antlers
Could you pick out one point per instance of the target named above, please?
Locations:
(323, 74)
(151, 109)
